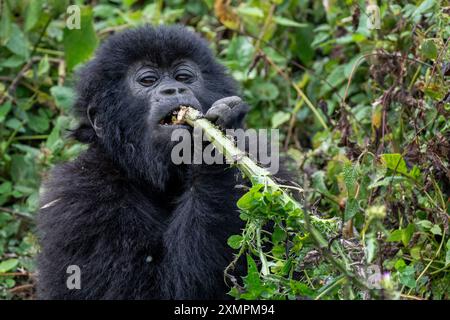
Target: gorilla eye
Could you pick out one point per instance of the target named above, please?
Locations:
(147, 80)
(184, 76)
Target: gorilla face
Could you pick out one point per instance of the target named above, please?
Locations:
(129, 93)
(166, 89)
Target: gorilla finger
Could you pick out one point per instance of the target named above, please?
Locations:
(217, 111)
(230, 101)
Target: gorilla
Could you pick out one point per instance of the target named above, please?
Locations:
(136, 225)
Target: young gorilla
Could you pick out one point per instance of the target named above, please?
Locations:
(138, 226)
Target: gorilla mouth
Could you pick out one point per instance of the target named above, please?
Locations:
(174, 117)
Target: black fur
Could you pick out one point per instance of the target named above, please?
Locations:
(138, 226)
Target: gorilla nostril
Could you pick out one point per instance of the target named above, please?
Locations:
(168, 91)
(182, 90)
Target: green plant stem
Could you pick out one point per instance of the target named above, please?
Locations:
(338, 281)
(250, 169)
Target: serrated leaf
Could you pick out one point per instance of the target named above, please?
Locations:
(407, 277)
(350, 174)
(351, 208)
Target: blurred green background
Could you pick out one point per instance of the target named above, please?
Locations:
(358, 89)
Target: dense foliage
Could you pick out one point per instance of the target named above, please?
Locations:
(362, 111)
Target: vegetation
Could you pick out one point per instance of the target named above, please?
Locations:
(362, 111)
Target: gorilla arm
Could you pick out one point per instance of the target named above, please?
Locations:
(196, 239)
(114, 240)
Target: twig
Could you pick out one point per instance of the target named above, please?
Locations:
(21, 288)
(15, 274)
(14, 212)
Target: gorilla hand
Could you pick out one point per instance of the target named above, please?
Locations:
(228, 113)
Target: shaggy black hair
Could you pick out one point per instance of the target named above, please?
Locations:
(138, 226)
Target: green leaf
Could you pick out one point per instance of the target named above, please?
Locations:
(415, 252)
(279, 118)
(265, 90)
(407, 277)
(425, 224)
(38, 123)
(400, 264)
(407, 234)
(278, 235)
(351, 208)
(395, 236)
(396, 163)
(4, 110)
(302, 45)
(282, 21)
(300, 288)
(245, 202)
(318, 180)
(424, 7)
(429, 49)
(32, 14)
(13, 62)
(80, 44)
(43, 66)
(8, 265)
(336, 77)
(371, 247)
(350, 174)
(64, 97)
(5, 187)
(5, 23)
(252, 280)
(18, 42)
(235, 241)
(436, 230)
(54, 137)
(253, 12)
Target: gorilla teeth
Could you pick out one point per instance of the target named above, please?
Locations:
(172, 118)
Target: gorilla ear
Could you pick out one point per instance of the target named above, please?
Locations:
(91, 116)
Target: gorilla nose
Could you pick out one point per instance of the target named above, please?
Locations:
(171, 90)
